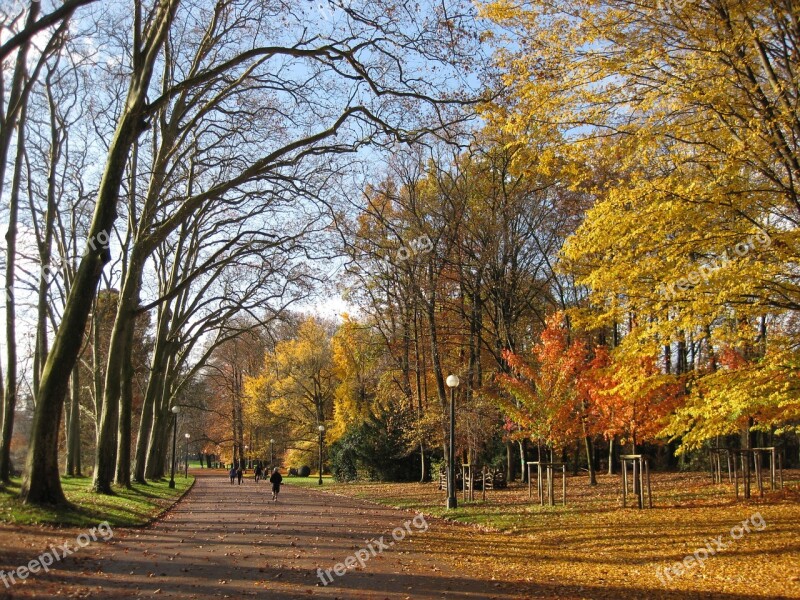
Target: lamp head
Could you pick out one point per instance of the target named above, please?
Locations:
(321, 428)
(453, 381)
(176, 409)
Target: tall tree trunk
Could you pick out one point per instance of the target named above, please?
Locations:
(430, 307)
(124, 438)
(74, 427)
(2, 390)
(611, 455)
(41, 484)
(152, 393)
(589, 458)
(142, 435)
(115, 425)
(511, 474)
(126, 370)
(97, 378)
(418, 362)
(157, 452)
(10, 393)
(576, 458)
(48, 270)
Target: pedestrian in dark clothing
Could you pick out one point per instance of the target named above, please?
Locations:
(275, 479)
(239, 475)
(233, 474)
(258, 473)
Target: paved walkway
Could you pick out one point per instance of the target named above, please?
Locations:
(224, 541)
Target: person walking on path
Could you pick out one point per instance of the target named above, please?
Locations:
(233, 473)
(239, 474)
(257, 473)
(275, 479)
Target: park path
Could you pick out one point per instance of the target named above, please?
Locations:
(224, 541)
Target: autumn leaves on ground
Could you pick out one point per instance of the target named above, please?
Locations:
(224, 541)
(592, 548)
(386, 239)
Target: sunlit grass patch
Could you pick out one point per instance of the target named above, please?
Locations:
(125, 508)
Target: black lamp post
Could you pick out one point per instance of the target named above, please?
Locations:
(452, 383)
(175, 411)
(271, 453)
(186, 472)
(321, 433)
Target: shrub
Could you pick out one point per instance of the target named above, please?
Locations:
(304, 471)
(375, 450)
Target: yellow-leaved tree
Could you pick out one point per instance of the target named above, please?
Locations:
(680, 118)
(356, 354)
(296, 387)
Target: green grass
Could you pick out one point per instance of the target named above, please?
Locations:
(196, 464)
(311, 481)
(126, 508)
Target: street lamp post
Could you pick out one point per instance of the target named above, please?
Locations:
(186, 472)
(175, 411)
(271, 453)
(321, 433)
(452, 383)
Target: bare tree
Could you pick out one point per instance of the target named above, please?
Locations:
(13, 110)
(35, 24)
(215, 272)
(251, 102)
(41, 483)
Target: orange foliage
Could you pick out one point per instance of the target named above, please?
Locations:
(545, 399)
(569, 391)
(630, 396)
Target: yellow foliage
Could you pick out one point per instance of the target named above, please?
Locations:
(296, 384)
(679, 119)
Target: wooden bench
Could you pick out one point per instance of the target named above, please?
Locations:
(489, 479)
(443, 480)
(496, 479)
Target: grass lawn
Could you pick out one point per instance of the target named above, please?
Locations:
(311, 481)
(126, 508)
(598, 549)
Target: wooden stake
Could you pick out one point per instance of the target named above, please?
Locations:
(641, 483)
(624, 474)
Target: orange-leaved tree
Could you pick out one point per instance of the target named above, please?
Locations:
(630, 396)
(547, 398)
